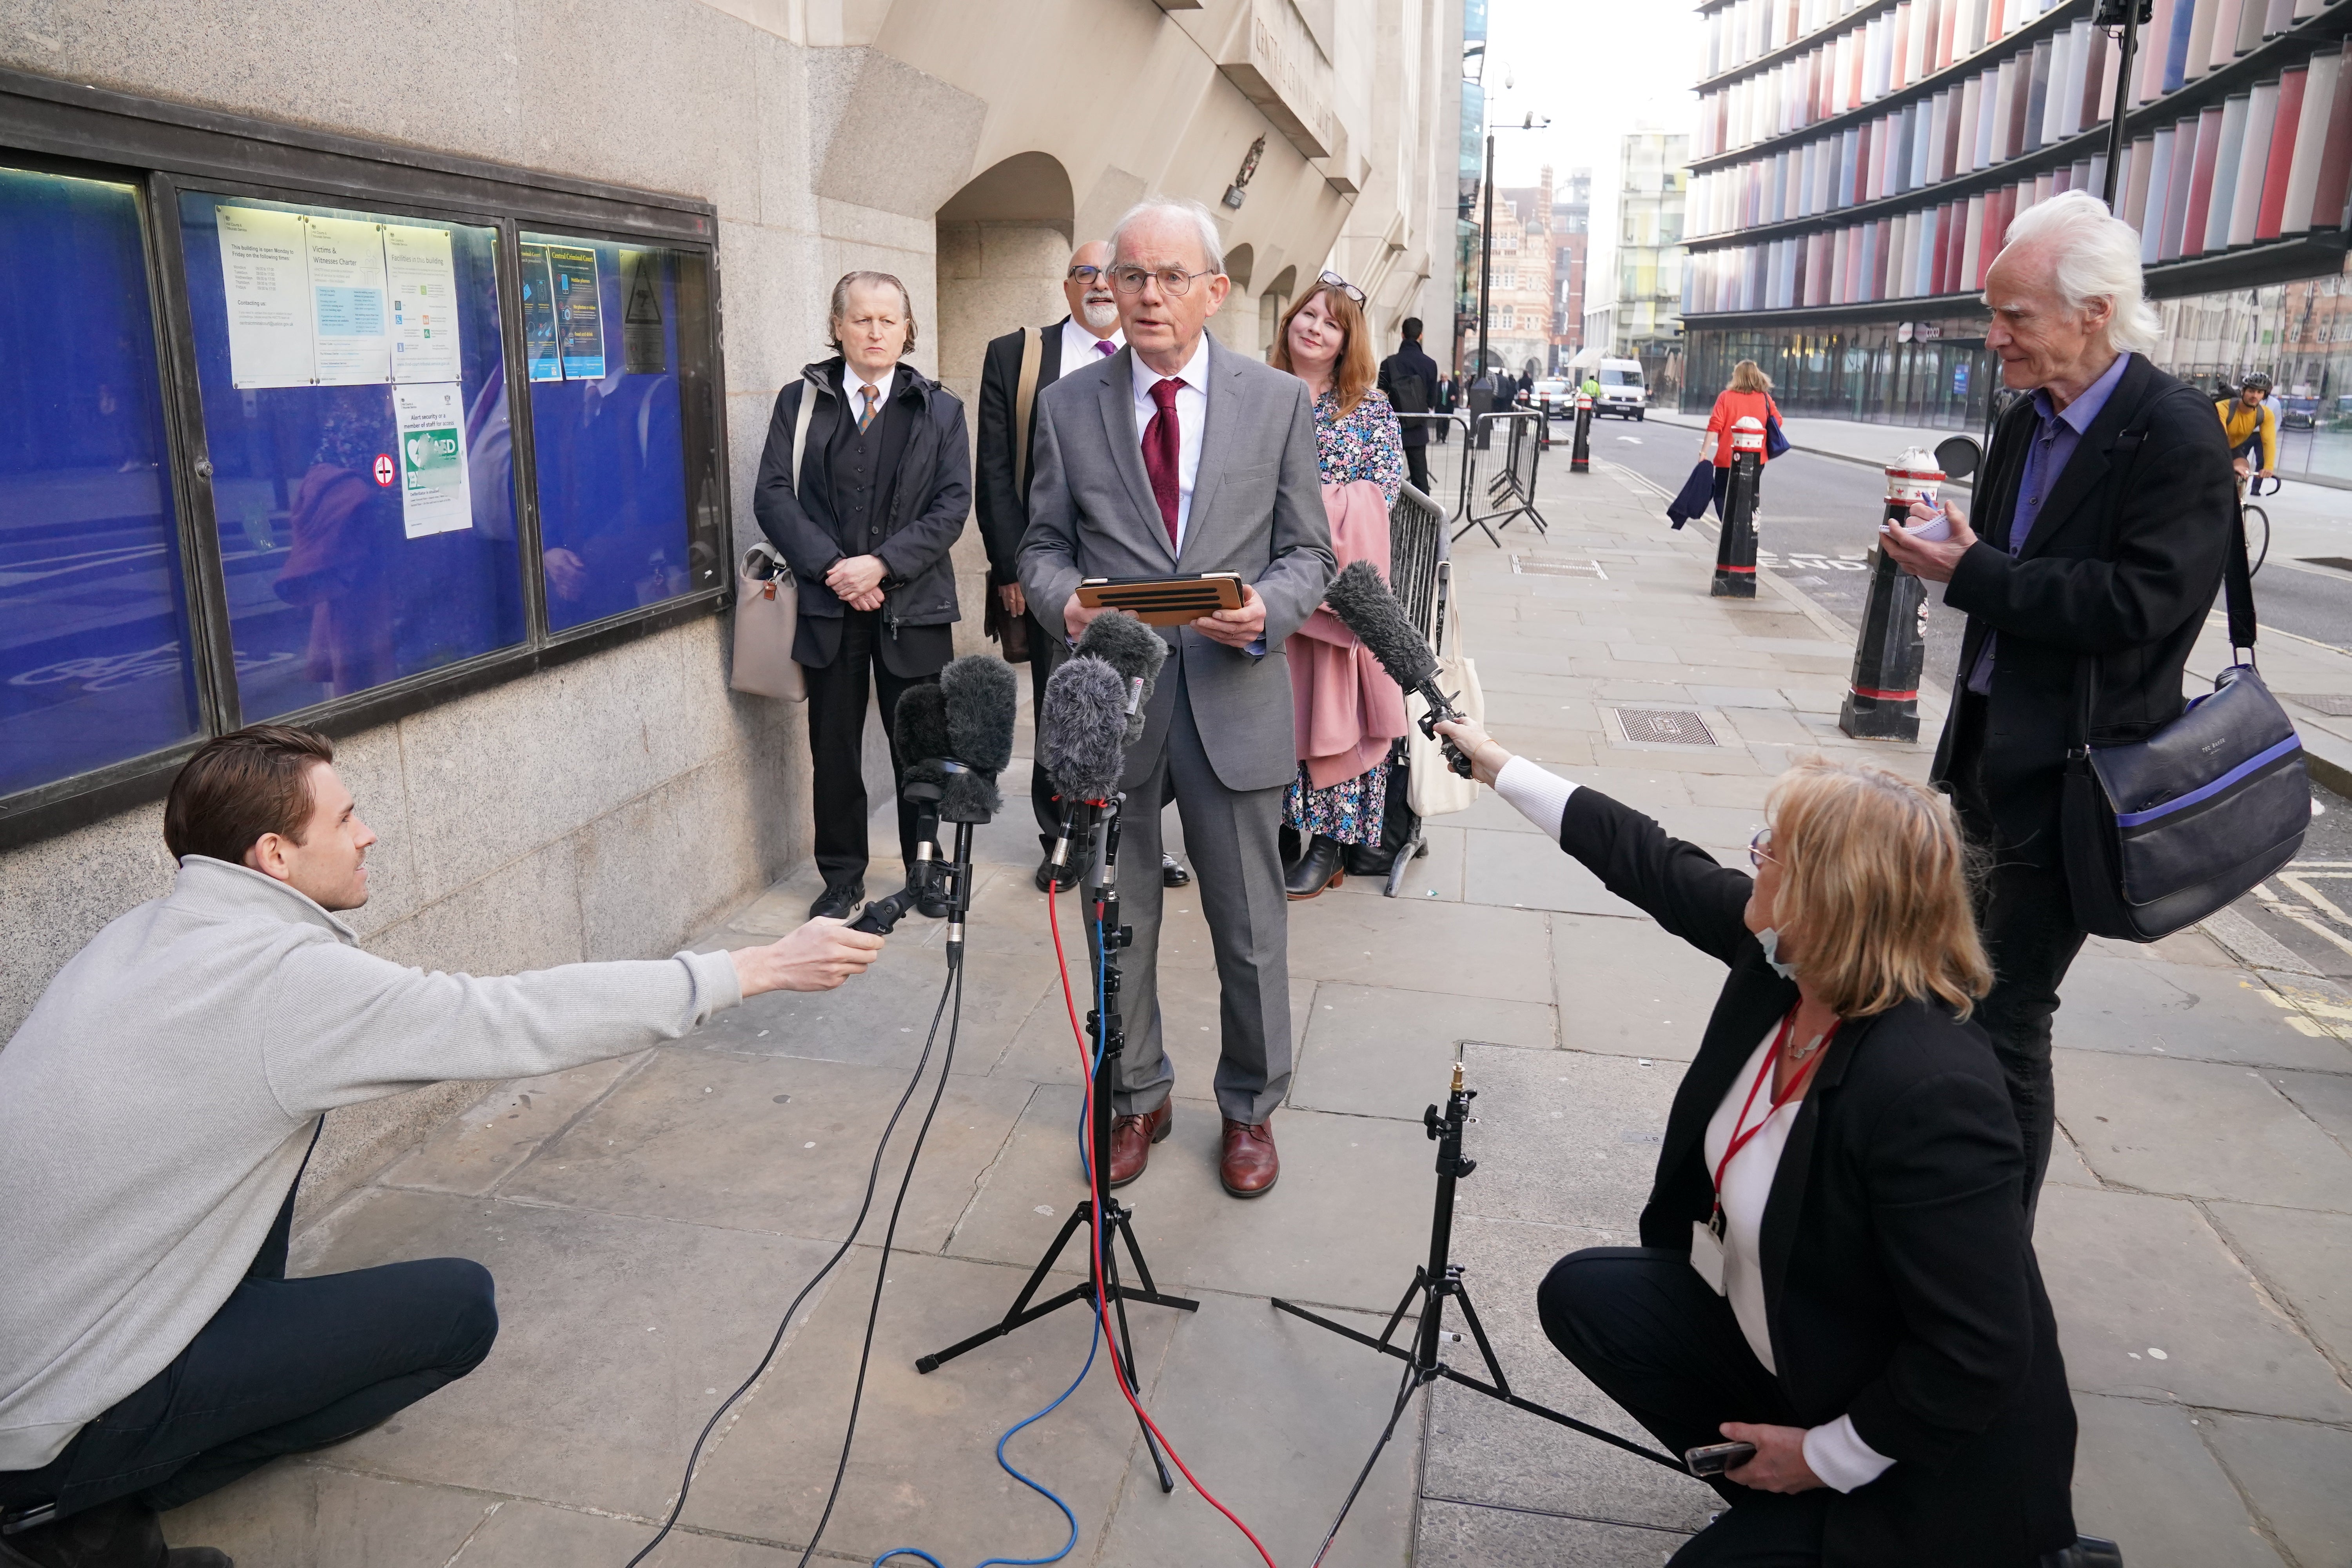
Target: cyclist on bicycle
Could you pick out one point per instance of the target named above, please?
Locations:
(2248, 423)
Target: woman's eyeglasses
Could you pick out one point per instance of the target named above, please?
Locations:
(1759, 847)
(1333, 280)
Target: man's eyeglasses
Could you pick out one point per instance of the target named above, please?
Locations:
(1087, 274)
(1174, 281)
(1759, 847)
(1334, 280)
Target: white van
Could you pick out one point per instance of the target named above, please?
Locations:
(1622, 390)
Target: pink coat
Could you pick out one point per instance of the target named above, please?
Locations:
(1345, 708)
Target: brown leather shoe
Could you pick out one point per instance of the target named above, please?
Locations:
(1131, 1137)
(1250, 1165)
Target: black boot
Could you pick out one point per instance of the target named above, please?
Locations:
(124, 1534)
(1316, 869)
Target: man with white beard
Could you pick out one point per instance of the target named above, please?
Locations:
(1019, 366)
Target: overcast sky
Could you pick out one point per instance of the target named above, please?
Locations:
(1600, 68)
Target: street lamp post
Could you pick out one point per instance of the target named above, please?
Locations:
(1486, 231)
(2128, 15)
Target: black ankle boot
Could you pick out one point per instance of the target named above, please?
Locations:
(124, 1534)
(1316, 869)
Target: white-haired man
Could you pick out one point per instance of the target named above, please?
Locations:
(1178, 455)
(2106, 501)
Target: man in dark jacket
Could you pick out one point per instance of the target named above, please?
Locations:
(2106, 501)
(865, 513)
(1409, 376)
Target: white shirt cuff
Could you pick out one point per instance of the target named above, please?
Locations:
(1539, 796)
(1836, 1452)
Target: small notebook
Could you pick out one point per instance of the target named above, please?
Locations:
(1164, 600)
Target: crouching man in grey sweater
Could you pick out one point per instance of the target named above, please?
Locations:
(156, 1109)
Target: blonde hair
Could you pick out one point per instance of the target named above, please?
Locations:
(1354, 371)
(1749, 376)
(838, 311)
(1873, 900)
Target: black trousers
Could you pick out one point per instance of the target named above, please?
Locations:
(284, 1366)
(1416, 465)
(1642, 1324)
(1047, 653)
(2026, 917)
(837, 717)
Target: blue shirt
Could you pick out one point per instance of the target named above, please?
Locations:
(2056, 436)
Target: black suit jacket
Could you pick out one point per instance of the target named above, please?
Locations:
(2122, 562)
(1003, 508)
(1410, 361)
(1899, 1280)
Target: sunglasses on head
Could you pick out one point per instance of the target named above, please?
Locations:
(1334, 280)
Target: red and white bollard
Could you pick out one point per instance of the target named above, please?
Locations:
(1735, 550)
(1579, 455)
(1882, 702)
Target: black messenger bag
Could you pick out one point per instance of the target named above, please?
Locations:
(2160, 833)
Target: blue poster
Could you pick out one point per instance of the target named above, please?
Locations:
(1960, 379)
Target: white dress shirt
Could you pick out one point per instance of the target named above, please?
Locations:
(1191, 417)
(1834, 1450)
(1078, 349)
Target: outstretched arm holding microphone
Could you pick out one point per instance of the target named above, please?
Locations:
(1835, 1311)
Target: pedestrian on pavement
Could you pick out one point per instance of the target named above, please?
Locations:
(2107, 503)
(1409, 380)
(1835, 1264)
(157, 1109)
(1180, 455)
(1748, 397)
(1348, 712)
(865, 518)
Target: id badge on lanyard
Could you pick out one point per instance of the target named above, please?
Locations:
(1707, 1251)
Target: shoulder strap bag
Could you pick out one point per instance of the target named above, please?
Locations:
(1025, 398)
(2160, 833)
(768, 602)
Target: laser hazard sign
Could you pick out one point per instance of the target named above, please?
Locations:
(434, 497)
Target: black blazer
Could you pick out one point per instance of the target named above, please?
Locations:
(925, 514)
(1899, 1279)
(1003, 508)
(2123, 562)
(1409, 360)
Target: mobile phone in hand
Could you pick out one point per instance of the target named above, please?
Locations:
(1713, 1458)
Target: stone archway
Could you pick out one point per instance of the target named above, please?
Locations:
(1271, 305)
(1003, 242)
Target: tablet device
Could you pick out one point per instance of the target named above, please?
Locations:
(1164, 600)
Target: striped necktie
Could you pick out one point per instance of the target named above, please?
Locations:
(873, 395)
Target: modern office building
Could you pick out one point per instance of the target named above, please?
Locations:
(409, 379)
(1646, 301)
(1571, 248)
(1858, 163)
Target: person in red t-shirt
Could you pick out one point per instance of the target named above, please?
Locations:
(1749, 396)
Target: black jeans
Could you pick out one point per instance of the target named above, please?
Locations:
(2026, 917)
(284, 1366)
(1642, 1324)
(1416, 465)
(836, 719)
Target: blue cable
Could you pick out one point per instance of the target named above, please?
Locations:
(1094, 1343)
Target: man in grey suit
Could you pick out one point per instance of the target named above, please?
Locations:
(1180, 455)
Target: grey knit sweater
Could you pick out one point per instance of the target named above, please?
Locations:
(157, 1104)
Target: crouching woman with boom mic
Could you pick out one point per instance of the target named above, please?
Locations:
(1835, 1266)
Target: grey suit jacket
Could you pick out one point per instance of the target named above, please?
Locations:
(1257, 510)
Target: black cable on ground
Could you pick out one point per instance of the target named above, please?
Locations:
(873, 1180)
(882, 1272)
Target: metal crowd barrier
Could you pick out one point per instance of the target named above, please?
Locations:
(1482, 468)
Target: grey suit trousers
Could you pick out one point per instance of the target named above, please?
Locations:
(1234, 839)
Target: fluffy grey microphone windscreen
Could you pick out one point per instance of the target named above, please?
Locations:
(1081, 728)
(1133, 649)
(920, 728)
(1366, 607)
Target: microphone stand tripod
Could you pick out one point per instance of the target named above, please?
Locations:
(1432, 1283)
(1107, 1219)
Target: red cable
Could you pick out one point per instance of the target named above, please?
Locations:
(1095, 1250)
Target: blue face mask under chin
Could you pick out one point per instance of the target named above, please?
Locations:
(1770, 940)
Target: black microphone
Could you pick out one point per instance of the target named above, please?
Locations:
(1366, 607)
(1133, 649)
(1082, 737)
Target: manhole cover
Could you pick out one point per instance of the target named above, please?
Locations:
(2331, 704)
(1537, 566)
(1663, 727)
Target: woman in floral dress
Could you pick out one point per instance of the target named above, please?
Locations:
(1326, 343)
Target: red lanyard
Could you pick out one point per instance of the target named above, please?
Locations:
(1742, 1133)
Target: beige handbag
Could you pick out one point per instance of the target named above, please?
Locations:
(768, 605)
(1433, 788)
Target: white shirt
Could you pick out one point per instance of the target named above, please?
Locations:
(1191, 417)
(1834, 1450)
(852, 387)
(1078, 349)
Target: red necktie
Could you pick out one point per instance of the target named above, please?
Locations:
(1161, 442)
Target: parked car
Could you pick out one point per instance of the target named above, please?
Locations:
(2298, 412)
(1623, 391)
